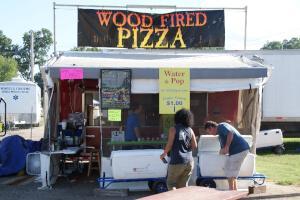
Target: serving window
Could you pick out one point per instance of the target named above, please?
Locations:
(150, 114)
(153, 125)
(149, 117)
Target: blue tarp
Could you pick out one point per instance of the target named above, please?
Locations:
(13, 151)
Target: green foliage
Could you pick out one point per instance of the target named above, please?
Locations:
(8, 68)
(42, 42)
(293, 43)
(7, 49)
(38, 79)
(273, 45)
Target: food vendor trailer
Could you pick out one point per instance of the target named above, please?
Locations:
(23, 100)
(222, 87)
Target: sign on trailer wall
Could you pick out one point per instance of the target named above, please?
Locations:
(128, 29)
(114, 115)
(19, 98)
(71, 73)
(174, 90)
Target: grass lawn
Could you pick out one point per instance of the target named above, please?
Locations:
(282, 169)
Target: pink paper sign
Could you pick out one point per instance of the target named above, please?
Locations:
(71, 73)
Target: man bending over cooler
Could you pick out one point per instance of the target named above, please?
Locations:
(233, 144)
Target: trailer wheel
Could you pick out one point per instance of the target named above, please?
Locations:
(206, 182)
(259, 181)
(150, 185)
(159, 187)
(198, 181)
(279, 149)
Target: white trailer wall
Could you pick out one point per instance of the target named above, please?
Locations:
(23, 101)
(281, 96)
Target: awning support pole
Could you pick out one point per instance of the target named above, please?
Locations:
(100, 119)
(54, 28)
(245, 30)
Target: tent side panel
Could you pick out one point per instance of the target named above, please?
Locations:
(70, 97)
(223, 106)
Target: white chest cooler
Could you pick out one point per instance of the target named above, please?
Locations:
(138, 164)
(211, 163)
(269, 138)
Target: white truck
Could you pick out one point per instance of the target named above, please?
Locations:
(281, 96)
(23, 100)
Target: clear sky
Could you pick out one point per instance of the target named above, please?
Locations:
(267, 19)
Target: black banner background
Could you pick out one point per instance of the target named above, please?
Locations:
(91, 33)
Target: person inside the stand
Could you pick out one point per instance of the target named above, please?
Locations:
(181, 142)
(233, 144)
(132, 127)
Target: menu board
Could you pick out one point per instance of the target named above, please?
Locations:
(115, 89)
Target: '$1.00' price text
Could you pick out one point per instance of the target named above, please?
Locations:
(172, 103)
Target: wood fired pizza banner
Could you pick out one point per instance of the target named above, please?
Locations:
(127, 29)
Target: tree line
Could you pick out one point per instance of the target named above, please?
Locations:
(16, 58)
(293, 43)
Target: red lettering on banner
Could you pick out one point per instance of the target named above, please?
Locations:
(144, 18)
(103, 17)
(189, 19)
(179, 20)
(138, 20)
(142, 30)
(123, 19)
(135, 19)
(162, 20)
(172, 20)
(200, 22)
